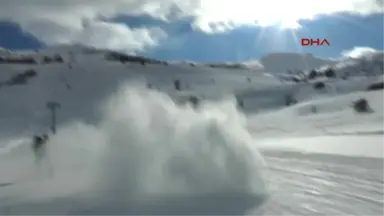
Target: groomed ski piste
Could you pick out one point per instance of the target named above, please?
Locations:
(127, 144)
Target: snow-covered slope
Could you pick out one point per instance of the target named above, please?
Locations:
(95, 104)
(123, 146)
(86, 78)
(81, 84)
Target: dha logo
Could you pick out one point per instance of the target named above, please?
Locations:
(311, 42)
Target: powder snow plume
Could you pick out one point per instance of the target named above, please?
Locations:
(149, 150)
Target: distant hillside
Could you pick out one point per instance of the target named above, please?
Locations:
(252, 65)
(282, 62)
(279, 63)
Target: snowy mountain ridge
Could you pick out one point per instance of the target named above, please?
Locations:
(67, 64)
(128, 142)
(274, 63)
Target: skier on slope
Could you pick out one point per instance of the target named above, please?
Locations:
(39, 147)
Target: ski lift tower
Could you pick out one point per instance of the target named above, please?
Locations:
(52, 106)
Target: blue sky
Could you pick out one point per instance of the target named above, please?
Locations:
(343, 31)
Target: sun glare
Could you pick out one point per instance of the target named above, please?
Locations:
(282, 13)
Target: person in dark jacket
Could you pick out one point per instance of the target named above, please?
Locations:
(39, 147)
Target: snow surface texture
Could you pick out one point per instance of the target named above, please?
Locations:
(122, 148)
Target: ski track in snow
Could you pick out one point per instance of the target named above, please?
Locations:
(307, 184)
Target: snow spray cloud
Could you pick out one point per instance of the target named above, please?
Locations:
(148, 148)
(156, 147)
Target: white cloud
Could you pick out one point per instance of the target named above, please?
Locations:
(62, 21)
(231, 13)
(357, 52)
(115, 36)
(99, 34)
(69, 21)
